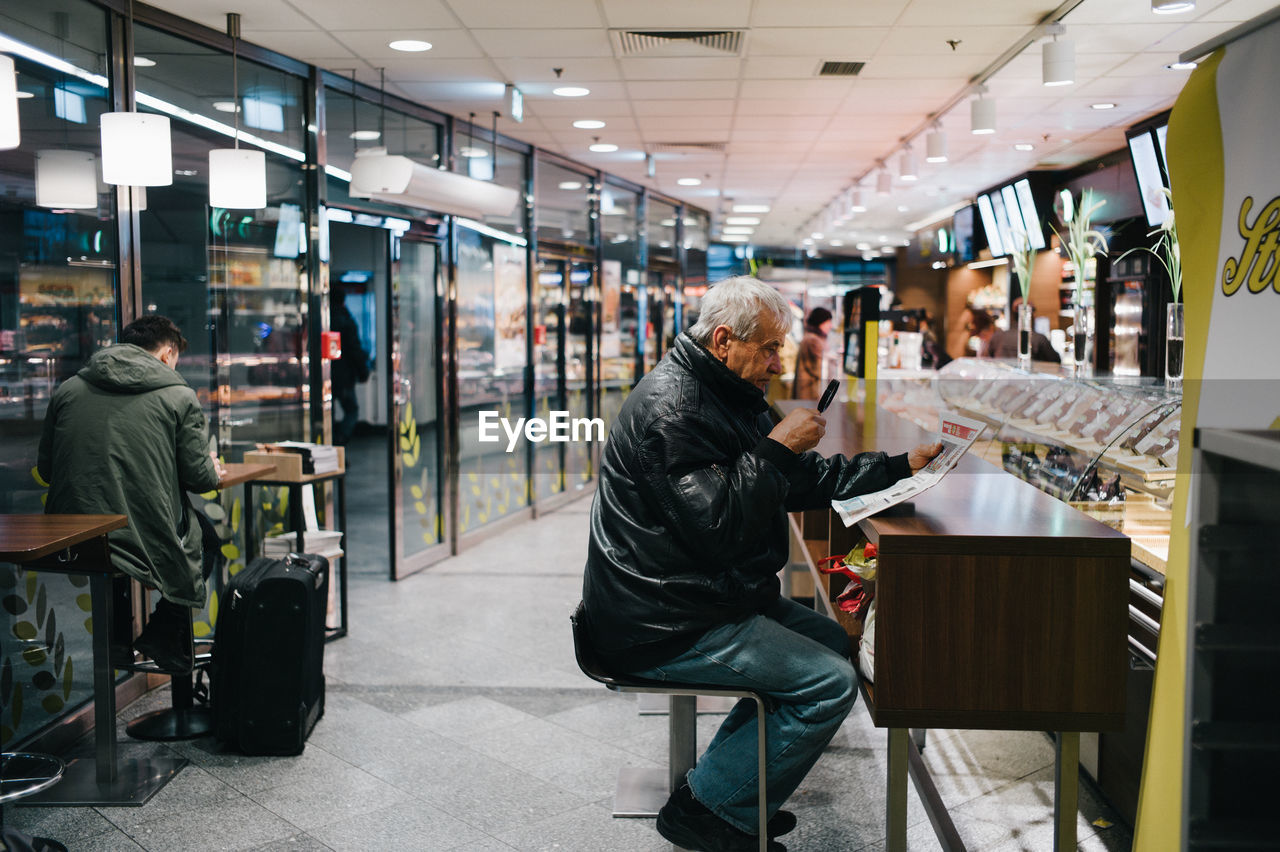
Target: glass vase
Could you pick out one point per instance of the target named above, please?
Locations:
(1082, 340)
(1024, 336)
(1174, 336)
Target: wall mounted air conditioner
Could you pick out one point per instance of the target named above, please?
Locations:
(393, 179)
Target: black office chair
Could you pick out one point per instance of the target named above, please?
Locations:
(639, 793)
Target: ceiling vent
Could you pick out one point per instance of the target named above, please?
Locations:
(687, 147)
(841, 69)
(678, 43)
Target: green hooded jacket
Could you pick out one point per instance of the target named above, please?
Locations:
(126, 436)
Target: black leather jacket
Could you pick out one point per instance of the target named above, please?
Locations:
(689, 525)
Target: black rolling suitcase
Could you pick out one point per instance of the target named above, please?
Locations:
(268, 659)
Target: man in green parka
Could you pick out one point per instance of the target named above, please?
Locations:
(126, 435)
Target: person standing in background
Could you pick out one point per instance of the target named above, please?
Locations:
(348, 371)
(813, 351)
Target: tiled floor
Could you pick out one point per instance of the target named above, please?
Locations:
(456, 719)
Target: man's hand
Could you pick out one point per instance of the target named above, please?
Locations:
(217, 465)
(922, 455)
(800, 430)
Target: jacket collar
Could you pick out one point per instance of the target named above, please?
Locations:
(726, 384)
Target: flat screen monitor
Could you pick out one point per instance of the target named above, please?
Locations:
(1030, 215)
(289, 232)
(1146, 167)
(989, 226)
(1002, 221)
(963, 236)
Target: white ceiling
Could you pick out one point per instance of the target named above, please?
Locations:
(792, 140)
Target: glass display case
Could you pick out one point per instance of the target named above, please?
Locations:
(1107, 445)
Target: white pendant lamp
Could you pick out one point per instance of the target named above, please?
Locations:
(136, 150)
(908, 168)
(9, 135)
(982, 115)
(237, 178)
(856, 204)
(884, 182)
(66, 180)
(935, 145)
(1058, 58)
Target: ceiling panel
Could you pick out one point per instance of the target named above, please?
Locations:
(561, 44)
(344, 15)
(651, 68)
(646, 109)
(971, 40)
(819, 90)
(676, 14)
(642, 90)
(835, 13)
(835, 43)
(927, 13)
(373, 44)
(524, 14)
(520, 70)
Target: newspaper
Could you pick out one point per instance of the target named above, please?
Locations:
(956, 433)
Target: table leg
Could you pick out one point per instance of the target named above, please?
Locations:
(1066, 789)
(250, 523)
(896, 807)
(340, 494)
(104, 687)
(683, 737)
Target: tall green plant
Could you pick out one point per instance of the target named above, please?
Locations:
(1166, 249)
(1083, 241)
(1023, 257)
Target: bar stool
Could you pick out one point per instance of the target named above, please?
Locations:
(641, 792)
(22, 774)
(183, 719)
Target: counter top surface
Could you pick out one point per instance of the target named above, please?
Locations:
(27, 537)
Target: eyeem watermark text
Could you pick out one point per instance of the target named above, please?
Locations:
(558, 428)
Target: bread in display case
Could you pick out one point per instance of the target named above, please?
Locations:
(1108, 446)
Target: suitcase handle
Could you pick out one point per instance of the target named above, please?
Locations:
(297, 560)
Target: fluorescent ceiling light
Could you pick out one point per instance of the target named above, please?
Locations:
(22, 96)
(1172, 66)
(742, 220)
(571, 91)
(836, 243)
(983, 264)
(734, 238)
(668, 223)
(751, 208)
(1102, 106)
(602, 147)
(410, 45)
(1024, 146)
(570, 185)
(588, 124)
(689, 182)
(230, 106)
(143, 62)
(1172, 7)
(470, 151)
(816, 235)
(737, 229)
(363, 135)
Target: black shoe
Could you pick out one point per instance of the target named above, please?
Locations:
(687, 823)
(165, 641)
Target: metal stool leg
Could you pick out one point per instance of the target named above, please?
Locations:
(762, 755)
(1066, 789)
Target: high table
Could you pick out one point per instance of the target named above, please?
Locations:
(997, 607)
(77, 544)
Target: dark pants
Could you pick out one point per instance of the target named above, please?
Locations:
(346, 427)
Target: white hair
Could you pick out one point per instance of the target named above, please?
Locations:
(738, 303)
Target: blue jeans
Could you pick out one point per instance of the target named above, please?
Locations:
(798, 657)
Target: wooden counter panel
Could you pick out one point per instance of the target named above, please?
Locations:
(1002, 639)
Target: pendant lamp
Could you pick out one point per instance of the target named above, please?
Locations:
(9, 135)
(136, 150)
(66, 180)
(1058, 58)
(237, 178)
(935, 144)
(982, 115)
(884, 181)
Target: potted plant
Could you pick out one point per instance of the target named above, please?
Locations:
(1167, 251)
(1083, 243)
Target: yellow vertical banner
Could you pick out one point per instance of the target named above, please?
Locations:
(1225, 172)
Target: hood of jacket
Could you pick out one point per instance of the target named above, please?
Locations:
(125, 368)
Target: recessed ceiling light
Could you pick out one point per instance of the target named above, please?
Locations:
(863, 246)
(836, 243)
(806, 242)
(1102, 106)
(603, 147)
(742, 220)
(816, 235)
(571, 91)
(226, 106)
(588, 124)
(751, 208)
(1024, 146)
(902, 208)
(888, 250)
(1181, 66)
(689, 182)
(363, 135)
(570, 185)
(143, 62)
(410, 45)
(737, 229)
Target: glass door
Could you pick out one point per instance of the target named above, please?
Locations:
(581, 369)
(417, 481)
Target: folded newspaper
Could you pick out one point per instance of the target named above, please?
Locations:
(956, 433)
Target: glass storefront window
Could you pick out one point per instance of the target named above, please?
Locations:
(563, 207)
(58, 281)
(619, 273)
(661, 230)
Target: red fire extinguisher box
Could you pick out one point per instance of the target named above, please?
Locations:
(331, 345)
